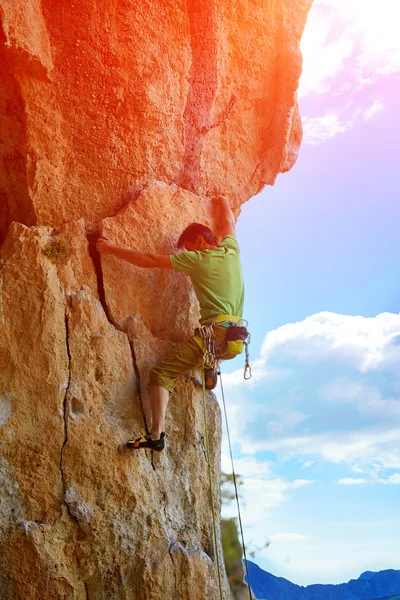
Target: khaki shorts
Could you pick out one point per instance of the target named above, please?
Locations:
(182, 359)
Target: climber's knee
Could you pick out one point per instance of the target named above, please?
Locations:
(182, 359)
(159, 378)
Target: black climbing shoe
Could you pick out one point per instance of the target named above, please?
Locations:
(210, 378)
(147, 442)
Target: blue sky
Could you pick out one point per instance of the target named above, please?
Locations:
(317, 430)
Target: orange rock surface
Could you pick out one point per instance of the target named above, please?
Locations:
(98, 98)
(120, 118)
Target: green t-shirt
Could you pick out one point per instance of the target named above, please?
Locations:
(216, 277)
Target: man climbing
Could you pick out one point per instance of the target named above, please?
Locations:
(216, 275)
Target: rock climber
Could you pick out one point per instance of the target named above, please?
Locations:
(216, 275)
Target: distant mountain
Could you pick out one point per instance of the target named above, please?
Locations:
(382, 585)
(397, 597)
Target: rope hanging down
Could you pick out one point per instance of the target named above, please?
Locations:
(207, 454)
(235, 484)
(210, 361)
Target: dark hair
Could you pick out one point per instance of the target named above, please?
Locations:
(193, 231)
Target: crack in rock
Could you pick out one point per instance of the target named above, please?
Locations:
(65, 413)
(92, 238)
(173, 562)
(65, 418)
(94, 254)
(138, 387)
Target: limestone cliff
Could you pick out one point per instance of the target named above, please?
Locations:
(120, 118)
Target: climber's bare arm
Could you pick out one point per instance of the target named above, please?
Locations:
(223, 217)
(139, 259)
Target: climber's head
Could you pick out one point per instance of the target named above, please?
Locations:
(197, 237)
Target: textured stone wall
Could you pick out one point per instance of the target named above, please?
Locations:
(120, 118)
(98, 98)
(79, 516)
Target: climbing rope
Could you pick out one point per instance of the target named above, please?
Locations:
(235, 483)
(210, 362)
(207, 455)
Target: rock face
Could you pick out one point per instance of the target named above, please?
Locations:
(78, 518)
(99, 98)
(120, 118)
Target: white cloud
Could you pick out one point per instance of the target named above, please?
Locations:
(351, 481)
(345, 420)
(260, 491)
(247, 466)
(347, 45)
(317, 130)
(334, 562)
(365, 446)
(280, 416)
(260, 372)
(393, 479)
(325, 391)
(373, 110)
(356, 38)
(357, 469)
(297, 483)
(368, 399)
(363, 342)
(289, 537)
(259, 496)
(322, 61)
(373, 473)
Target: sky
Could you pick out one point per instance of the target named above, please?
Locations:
(316, 432)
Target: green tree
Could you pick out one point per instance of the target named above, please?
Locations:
(231, 544)
(230, 539)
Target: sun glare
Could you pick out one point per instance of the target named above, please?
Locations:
(361, 35)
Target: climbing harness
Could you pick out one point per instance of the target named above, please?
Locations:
(236, 337)
(235, 333)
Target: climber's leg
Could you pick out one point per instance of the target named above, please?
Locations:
(163, 378)
(147, 442)
(154, 441)
(182, 359)
(158, 400)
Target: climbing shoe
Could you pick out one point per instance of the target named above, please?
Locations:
(147, 442)
(210, 378)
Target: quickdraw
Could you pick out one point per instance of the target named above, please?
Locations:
(207, 333)
(247, 368)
